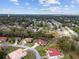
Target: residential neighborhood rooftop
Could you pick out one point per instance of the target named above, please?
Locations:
(54, 52)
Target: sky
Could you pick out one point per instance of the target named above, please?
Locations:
(39, 7)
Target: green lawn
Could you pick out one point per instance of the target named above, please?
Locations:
(10, 49)
(30, 55)
(66, 56)
(41, 50)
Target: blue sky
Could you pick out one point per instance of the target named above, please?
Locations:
(39, 7)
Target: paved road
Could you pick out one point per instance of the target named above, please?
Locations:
(25, 48)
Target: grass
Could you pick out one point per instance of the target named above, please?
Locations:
(41, 50)
(66, 56)
(30, 55)
(10, 49)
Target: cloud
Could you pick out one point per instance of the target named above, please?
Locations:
(14, 1)
(52, 2)
(11, 11)
(27, 4)
(54, 9)
(61, 10)
(77, 1)
(66, 9)
(3, 11)
(29, 8)
(48, 2)
(72, 6)
(68, 6)
(72, 2)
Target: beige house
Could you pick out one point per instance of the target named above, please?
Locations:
(28, 40)
(41, 42)
(17, 54)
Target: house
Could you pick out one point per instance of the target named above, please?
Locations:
(4, 28)
(35, 45)
(17, 38)
(3, 39)
(41, 41)
(28, 40)
(54, 53)
(17, 54)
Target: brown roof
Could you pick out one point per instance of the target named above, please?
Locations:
(41, 42)
(3, 38)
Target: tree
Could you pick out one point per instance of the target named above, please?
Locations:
(54, 34)
(65, 44)
(2, 54)
(76, 29)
